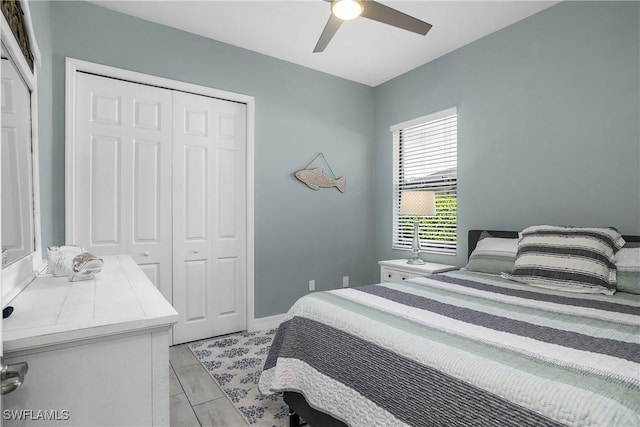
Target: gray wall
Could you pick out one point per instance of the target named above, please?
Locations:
(300, 234)
(548, 123)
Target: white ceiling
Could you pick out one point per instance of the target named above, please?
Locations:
(362, 50)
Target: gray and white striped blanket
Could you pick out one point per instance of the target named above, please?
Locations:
(459, 349)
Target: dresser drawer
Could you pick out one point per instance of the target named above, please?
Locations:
(398, 270)
(391, 275)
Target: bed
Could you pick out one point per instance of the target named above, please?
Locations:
(459, 348)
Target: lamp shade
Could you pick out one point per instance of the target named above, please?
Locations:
(418, 203)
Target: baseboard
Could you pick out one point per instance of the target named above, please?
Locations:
(270, 322)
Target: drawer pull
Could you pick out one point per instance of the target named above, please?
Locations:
(146, 253)
(389, 275)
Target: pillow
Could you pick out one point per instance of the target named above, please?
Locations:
(628, 266)
(629, 282)
(568, 258)
(493, 255)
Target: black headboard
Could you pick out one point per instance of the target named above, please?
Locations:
(474, 236)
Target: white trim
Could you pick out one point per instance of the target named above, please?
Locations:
(266, 323)
(73, 66)
(19, 274)
(250, 213)
(424, 119)
(149, 79)
(69, 148)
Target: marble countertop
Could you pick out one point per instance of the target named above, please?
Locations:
(53, 310)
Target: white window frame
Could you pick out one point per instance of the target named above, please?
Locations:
(445, 188)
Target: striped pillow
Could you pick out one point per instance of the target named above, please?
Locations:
(568, 258)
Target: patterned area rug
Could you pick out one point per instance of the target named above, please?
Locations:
(235, 363)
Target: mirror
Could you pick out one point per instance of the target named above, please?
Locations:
(20, 225)
(18, 236)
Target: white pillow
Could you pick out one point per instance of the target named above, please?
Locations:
(497, 246)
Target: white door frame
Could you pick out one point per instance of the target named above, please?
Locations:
(73, 66)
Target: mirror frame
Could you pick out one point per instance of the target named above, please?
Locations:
(18, 275)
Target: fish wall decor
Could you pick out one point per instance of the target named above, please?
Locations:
(317, 179)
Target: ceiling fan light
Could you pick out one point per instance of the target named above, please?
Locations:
(346, 9)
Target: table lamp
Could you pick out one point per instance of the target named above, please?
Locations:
(417, 204)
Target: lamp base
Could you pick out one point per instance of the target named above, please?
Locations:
(415, 261)
(415, 249)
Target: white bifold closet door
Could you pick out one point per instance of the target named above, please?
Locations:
(209, 216)
(160, 175)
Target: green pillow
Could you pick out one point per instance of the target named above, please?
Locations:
(628, 281)
(493, 255)
(628, 265)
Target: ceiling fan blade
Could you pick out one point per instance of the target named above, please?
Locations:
(327, 34)
(386, 15)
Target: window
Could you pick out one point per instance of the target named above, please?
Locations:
(425, 158)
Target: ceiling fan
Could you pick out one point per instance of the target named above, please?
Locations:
(346, 10)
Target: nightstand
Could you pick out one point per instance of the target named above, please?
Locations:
(397, 270)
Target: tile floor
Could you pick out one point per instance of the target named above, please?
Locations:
(196, 399)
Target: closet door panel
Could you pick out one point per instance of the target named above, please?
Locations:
(153, 273)
(208, 199)
(195, 281)
(105, 191)
(227, 203)
(195, 250)
(150, 151)
(229, 194)
(122, 173)
(100, 200)
(227, 302)
(195, 194)
(146, 191)
(192, 217)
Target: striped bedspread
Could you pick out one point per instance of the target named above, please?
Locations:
(461, 349)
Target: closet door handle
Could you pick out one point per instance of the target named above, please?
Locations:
(146, 253)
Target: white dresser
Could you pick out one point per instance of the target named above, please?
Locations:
(98, 351)
(397, 270)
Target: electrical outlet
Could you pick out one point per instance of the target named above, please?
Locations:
(312, 285)
(345, 281)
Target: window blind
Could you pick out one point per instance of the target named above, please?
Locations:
(425, 158)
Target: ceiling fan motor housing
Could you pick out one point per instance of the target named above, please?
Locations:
(347, 9)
